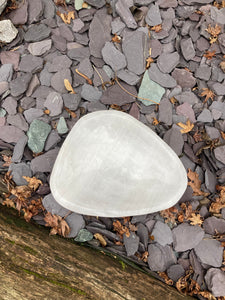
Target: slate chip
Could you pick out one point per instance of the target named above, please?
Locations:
(205, 116)
(131, 243)
(165, 80)
(19, 149)
(76, 223)
(213, 225)
(71, 101)
(168, 61)
(153, 16)
(123, 10)
(40, 48)
(44, 162)
(184, 78)
(18, 121)
(18, 171)
(32, 113)
(37, 32)
(19, 85)
(6, 72)
(165, 112)
(113, 57)
(173, 137)
(215, 279)
(162, 233)
(203, 72)
(90, 93)
(30, 64)
(37, 135)
(54, 103)
(175, 272)
(57, 80)
(10, 105)
(54, 207)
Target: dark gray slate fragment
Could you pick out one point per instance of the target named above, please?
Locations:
(113, 57)
(187, 97)
(85, 67)
(128, 77)
(83, 236)
(210, 182)
(219, 88)
(10, 134)
(37, 32)
(131, 243)
(173, 137)
(96, 3)
(71, 101)
(167, 3)
(59, 42)
(162, 233)
(66, 32)
(115, 95)
(57, 80)
(124, 12)
(165, 80)
(10, 105)
(133, 48)
(142, 232)
(54, 207)
(215, 279)
(210, 252)
(217, 15)
(212, 225)
(44, 162)
(203, 72)
(6, 72)
(156, 48)
(153, 16)
(168, 61)
(54, 103)
(175, 272)
(52, 140)
(19, 85)
(49, 9)
(165, 111)
(58, 63)
(187, 48)
(186, 110)
(19, 15)
(32, 113)
(35, 10)
(18, 171)
(45, 77)
(18, 121)
(205, 116)
(19, 149)
(185, 11)
(76, 223)
(30, 64)
(90, 93)
(95, 106)
(186, 237)
(184, 78)
(99, 32)
(79, 53)
(160, 258)
(220, 153)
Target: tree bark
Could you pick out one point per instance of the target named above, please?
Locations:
(34, 265)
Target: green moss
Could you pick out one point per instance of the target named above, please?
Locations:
(122, 264)
(9, 241)
(28, 249)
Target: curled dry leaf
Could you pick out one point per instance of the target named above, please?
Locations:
(120, 229)
(214, 32)
(195, 183)
(186, 127)
(219, 203)
(33, 182)
(116, 38)
(155, 121)
(164, 276)
(7, 160)
(210, 54)
(72, 113)
(66, 17)
(157, 28)
(68, 86)
(170, 215)
(195, 219)
(208, 94)
(101, 239)
(58, 224)
(9, 203)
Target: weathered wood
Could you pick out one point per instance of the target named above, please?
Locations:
(34, 265)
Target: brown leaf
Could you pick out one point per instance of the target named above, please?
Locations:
(173, 100)
(208, 94)
(116, 38)
(7, 160)
(169, 214)
(144, 256)
(155, 121)
(186, 127)
(214, 32)
(101, 239)
(195, 183)
(222, 135)
(164, 276)
(33, 182)
(120, 229)
(66, 17)
(149, 60)
(195, 219)
(216, 206)
(9, 203)
(58, 224)
(210, 54)
(72, 113)
(157, 28)
(68, 86)
(132, 227)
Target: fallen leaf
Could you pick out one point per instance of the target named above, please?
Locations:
(72, 113)
(219, 203)
(195, 183)
(66, 17)
(120, 229)
(9, 203)
(214, 32)
(68, 86)
(165, 277)
(116, 38)
(33, 182)
(210, 54)
(149, 60)
(186, 127)
(58, 224)
(132, 227)
(195, 219)
(222, 66)
(157, 28)
(170, 215)
(47, 111)
(85, 5)
(155, 121)
(7, 160)
(89, 81)
(173, 100)
(101, 239)
(208, 94)
(198, 136)
(144, 256)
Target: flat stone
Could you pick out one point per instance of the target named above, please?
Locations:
(33, 113)
(205, 116)
(84, 236)
(62, 126)
(10, 134)
(37, 32)
(173, 137)
(30, 64)
(219, 88)
(18, 121)
(131, 243)
(8, 31)
(175, 272)
(19, 149)
(37, 135)
(220, 153)
(187, 97)
(85, 67)
(78, 24)
(160, 258)
(90, 93)
(49, 9)
(78, 53)
(219, 106)
(19, 15)
(203, 72)
(9, 57)
(115, 95)
(221, 39)
(215, 279)
(142, 232)
(165, 112)
(54, 207)
(45, 77)
(185, 11)
(66, 32)
(213, 225)
(210, 181)
(34, 83)
(35, 11)
(99, 32)
(187, 48)
(76, 223)
(167, 3)
(96, 3)
(71, 101)
(123, 10)
(217, 15)
(3, 4)
(165, 80)
(113, 57)
(57, 80)
(168, 61)
(133, 48)
(4, 86)
(184, 78)
(54, 103)
(210, 252)
(153, 16)
(134, 111)
(44, 162)
(117, 26)
(128, 77)
(19, 85)
(39, 48)
(10, 105)
(186, 110)
(162, 233)
(52, 140)
(18, 171)
(6, 72)
(95, 106)
(186, 237)
(202, 44)
(59, 42)
(156, 48)
(58, 63)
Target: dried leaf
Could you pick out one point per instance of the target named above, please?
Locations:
(197, 136)
(169, 215)
(101, 239)
(173, 100)
(66, 17)
(195, 219)
(216, 206)
(214, 32)
(195, 183)
(116, 38)
(164, 276)
(58, 224)
(157, 28)
(222, 135)
(149, 60)
(89, 81)
(7, 160)
(33, 182)
(9, 203)
(210, 54)
(72, 113)
(186, 127)
(47, 111)
(120, 229)
(207, 295)
(60, 3)
(222, 66)
(208, 94)
(132, 227)
(68, 86)
(85, 5)
(144, 256)
(155, 121)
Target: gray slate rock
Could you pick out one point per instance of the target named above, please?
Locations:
(35, 11)
(117, 26)
(44, 162)
(58, 63)
(6, 72)
(90, 93)
(10, 134)
(71, 101)
(52, 140)
(57, 80)
(79, 53)
(210, 252)
(10, 105)
(84, 236)
(210, 183)
(128, 77)
(37, 135)
(153, 16)
(19, 16)
(54, 207)
(160, 258)
(49, 9)
(212, 225)
(113, 57)
(131, 243)
(173, 137)
(205, 116)
(18, 171)
(184, 78)
(30, 64)
(27, 102)
(78, 24)
(37, 32)
(187, 48)
(203, 72)
(19, 149)
(19, 85)
(123, 10)
(165, 80)
(186, 110)
(162, 233)
(40, 48)
(54, 103)
(220, 153)
(18, 121)
(165, 112)
(85, 67)
(76, 223)
(219, 88)
(187, 97)
(175, 272)
(45, 77)
(186, 237)
(33, 113)
(3, 4)
(133, 48)
(215, 279)
(142, 232)
(168, 61)
(217, 15)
